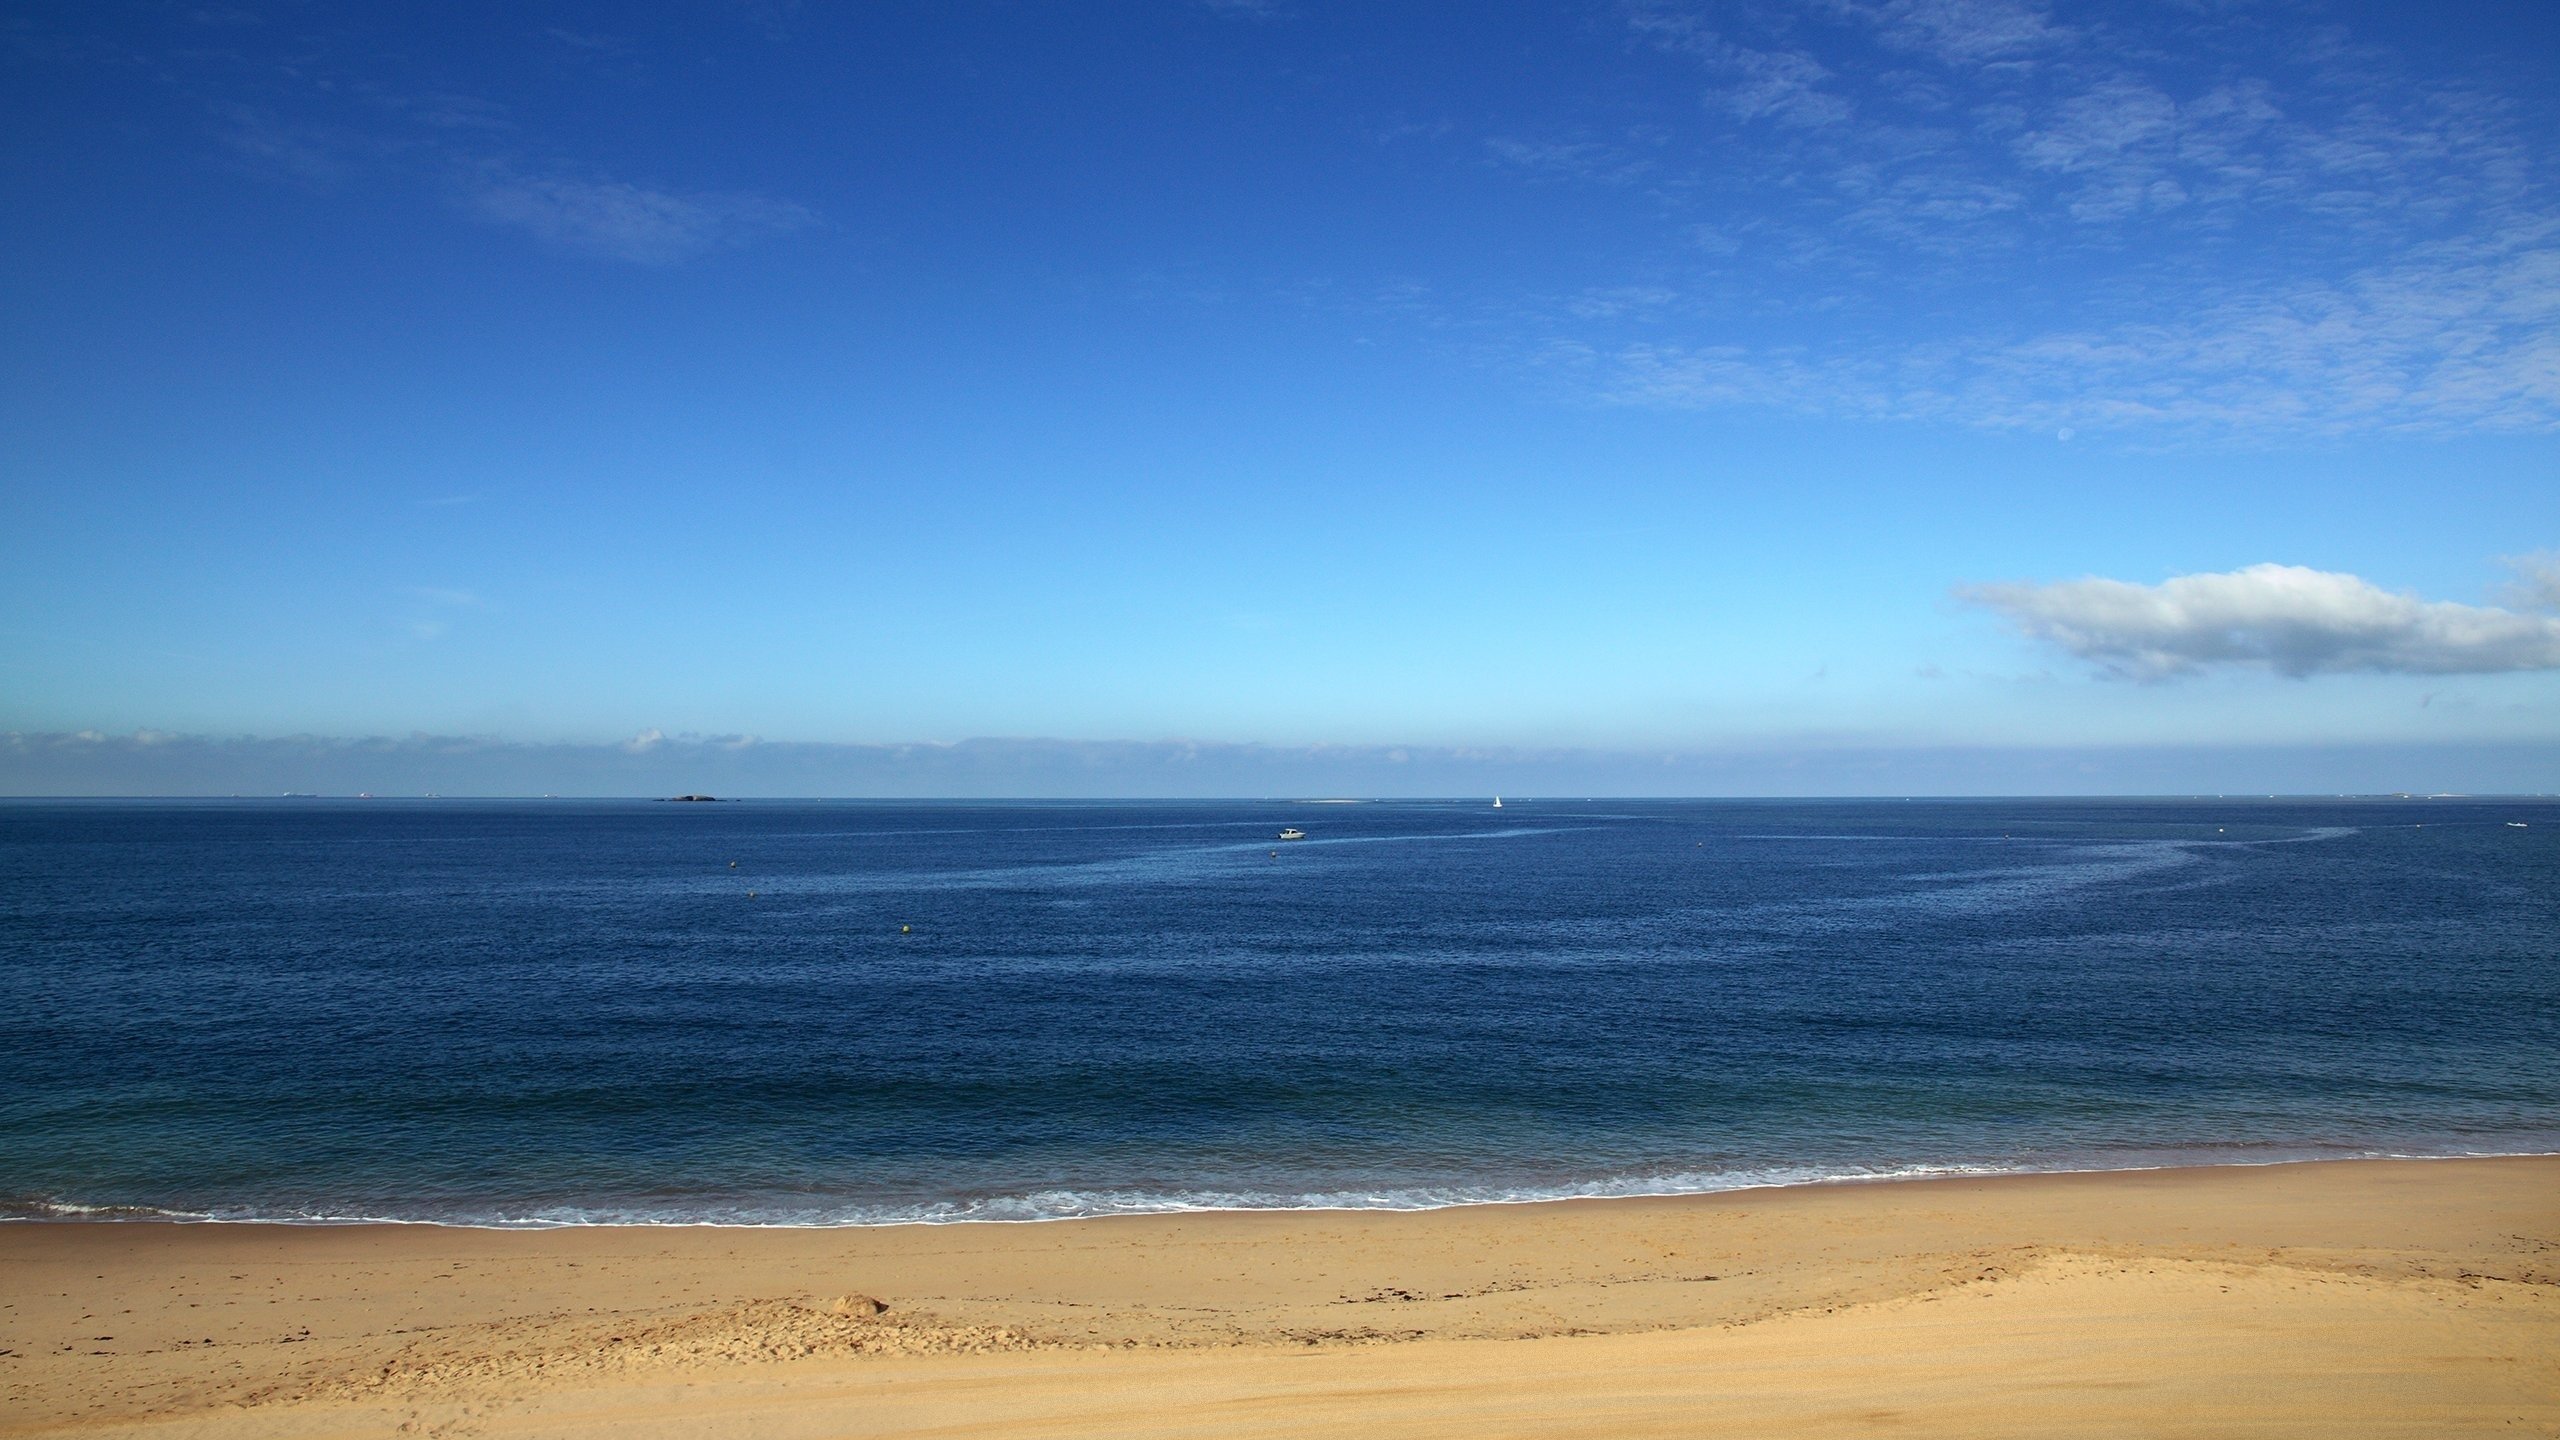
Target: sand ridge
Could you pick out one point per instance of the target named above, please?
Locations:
(2418, 1294)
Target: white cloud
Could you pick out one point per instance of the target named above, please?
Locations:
(1961, 32)
(2287, 618)
(2118, 141)
(592, 43)
(305, 153)
(1572, 160)
(2179, 219)
(345, 126)
(1781, 85)
(1621, 300)
(161, 763)
(2457, 336)
(621, 221)
(2537, 582)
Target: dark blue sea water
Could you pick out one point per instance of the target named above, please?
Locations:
(525, 1012)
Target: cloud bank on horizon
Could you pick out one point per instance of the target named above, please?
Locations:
(2290, 619)
(161, 763)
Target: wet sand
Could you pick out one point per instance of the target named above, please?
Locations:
(2358, 1297)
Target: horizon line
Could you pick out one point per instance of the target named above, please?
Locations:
(1478, 798)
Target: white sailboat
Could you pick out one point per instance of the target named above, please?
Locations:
(1497, 802)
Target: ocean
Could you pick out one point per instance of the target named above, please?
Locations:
(785, 1012)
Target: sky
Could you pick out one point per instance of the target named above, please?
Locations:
(1205, 396)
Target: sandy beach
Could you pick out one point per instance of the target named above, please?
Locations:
(2363, 1297)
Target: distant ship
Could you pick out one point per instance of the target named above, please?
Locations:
(1293, 833)
(2515, 825)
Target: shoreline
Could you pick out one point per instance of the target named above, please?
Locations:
(2333, 1295)
(1916, 1175)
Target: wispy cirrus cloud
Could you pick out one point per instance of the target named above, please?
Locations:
(2461, 336)
(1779, 84)
(2182, 221)
(433, 610)
(2537, 582)
(1584, 160)
(1960, 31)
(324, 121)
(591, 42)
(2289, 619)
(304, 152)
(618, 220)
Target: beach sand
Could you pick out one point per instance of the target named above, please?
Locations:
(2416, 1298)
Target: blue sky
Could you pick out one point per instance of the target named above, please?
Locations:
(1874, 376)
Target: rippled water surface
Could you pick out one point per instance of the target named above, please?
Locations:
(783, 1011)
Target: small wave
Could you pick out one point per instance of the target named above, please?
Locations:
(1024, 1208)
(45, 1209)
(1044, 1206)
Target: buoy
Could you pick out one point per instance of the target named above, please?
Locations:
(733, 864)
(903, 929)
(751, 894)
